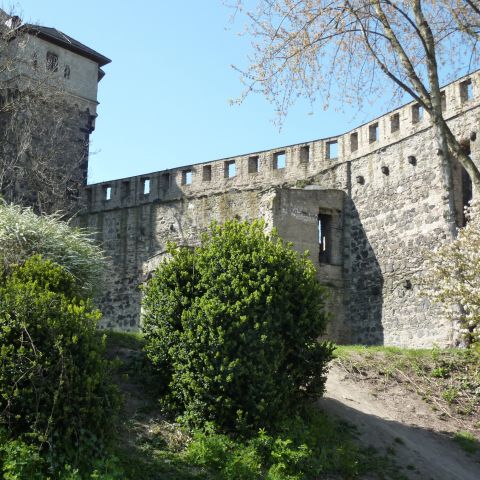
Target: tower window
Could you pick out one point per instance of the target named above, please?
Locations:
(66, 72)
(52, 62)
(107, 192)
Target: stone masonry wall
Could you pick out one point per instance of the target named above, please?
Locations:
(394, 206)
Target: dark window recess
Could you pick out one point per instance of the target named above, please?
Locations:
(373, 133)
(125, 189)
(52, 62)
(466, 90)
(253, 164)
(35, 60)
(324, 238)
(395, 123)
(443, 100)
(354, 142)
(279, 160)
(66, 72)
(207, 173)
(165, 181)
(305, 154)
(417, 113)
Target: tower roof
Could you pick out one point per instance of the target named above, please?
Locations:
(59, 38)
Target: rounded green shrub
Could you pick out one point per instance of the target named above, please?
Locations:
(54, 387)
(233, 327)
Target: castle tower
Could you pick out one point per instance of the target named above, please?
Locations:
(48, 87)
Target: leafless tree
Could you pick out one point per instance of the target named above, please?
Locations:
(357, 47)
(43, 154)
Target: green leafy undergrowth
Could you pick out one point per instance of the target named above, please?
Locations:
(152, 447)
(307, 448)
(447, 379)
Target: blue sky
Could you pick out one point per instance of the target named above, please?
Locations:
(164, 101)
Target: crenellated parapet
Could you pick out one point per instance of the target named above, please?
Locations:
(284, 165)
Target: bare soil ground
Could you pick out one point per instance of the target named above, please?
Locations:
(397, 422)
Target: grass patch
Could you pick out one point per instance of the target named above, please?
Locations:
(447, 379)
(467, 441)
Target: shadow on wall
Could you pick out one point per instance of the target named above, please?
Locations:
(363, 283)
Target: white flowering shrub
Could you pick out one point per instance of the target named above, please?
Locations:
(453, 277)
(24, 233)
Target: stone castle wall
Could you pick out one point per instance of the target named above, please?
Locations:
(380, 187)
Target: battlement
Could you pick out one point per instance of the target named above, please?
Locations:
(291, 164)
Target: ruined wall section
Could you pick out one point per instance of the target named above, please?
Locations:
(398, 210)
(396, 207)
(135, 239)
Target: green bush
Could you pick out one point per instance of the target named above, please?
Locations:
(54, 388)
(23, 234)
(233, 326)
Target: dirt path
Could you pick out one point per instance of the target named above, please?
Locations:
(401, 425)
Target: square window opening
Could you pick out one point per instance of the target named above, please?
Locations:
(207, 173)
(417, 113)
(186, 177)
(146, 186)
(373, 133)
(305, 154)
(279, 160)
(230, 169)
(466, 90)
(354, 142)
(332, 150)
(165, 181)
(395, 123)
(253, 164)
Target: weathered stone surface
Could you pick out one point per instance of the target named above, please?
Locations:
(380, 209)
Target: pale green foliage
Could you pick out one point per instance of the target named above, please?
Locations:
(453, 277)
(23, 233)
